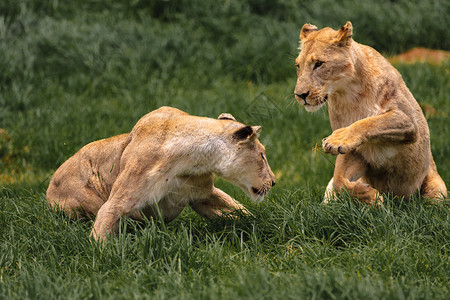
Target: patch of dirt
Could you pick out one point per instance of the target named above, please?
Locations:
(421, 55)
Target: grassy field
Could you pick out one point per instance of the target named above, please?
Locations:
(74, 72)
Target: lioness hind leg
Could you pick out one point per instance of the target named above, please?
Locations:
(358, 190)
(218, 205)
(348, 176)
(77, 204)
(71, 206)
(433, 186)
(330, 193)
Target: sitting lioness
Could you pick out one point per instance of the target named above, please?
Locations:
(380, 135)
(165, 163)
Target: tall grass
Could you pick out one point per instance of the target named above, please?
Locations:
(294, 247)
(71, 73)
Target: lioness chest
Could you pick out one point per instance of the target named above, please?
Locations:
(168, 197)
(380, 156)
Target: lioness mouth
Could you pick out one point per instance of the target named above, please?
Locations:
(320, 103)
(258, 192)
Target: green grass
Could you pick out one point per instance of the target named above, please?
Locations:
(73, 73)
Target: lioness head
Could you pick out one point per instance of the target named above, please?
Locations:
(247, 167)
(324, 65)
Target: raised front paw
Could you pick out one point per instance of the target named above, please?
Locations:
(341, 141)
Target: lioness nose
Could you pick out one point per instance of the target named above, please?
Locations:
(302, 96)
(273, 182)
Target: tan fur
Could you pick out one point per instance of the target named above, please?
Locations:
(380, 134)
(164, 164)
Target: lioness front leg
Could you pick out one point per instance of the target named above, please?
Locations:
(106, 221)
(219, 204)
(393, 126)
(349, 174)
(341, 141)
(124, 200)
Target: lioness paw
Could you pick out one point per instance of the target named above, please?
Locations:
(367, 194)
(341, 141)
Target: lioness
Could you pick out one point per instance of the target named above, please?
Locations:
(166, 162)
(380, 135)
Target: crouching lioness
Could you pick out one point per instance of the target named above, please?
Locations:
(380, 135)
(165, 163)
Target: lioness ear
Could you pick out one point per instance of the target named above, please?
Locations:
(226, 116)
(256, 130)
(306, 30)
(344, 34)
(247, 132)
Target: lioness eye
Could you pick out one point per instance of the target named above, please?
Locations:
(262, 155)
(317, 64)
